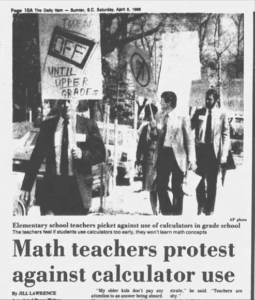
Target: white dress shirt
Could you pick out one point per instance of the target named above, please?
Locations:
(58, 144)
(213, 111)
(169, 124)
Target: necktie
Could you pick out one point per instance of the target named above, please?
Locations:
(164, 129)
(166, 117)
(208, 133)
(64, 150)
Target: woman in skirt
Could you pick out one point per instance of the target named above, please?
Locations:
(144, 157)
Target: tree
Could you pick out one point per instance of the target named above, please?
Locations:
(203, 30)
(115, 34)
(117, 31)
(221, 43)
(220, 47)
(26, 66)
(238, 20)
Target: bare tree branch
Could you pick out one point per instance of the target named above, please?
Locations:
(140, 35)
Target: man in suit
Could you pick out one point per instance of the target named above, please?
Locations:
(175, 153)
(212, 144)
(71, 145)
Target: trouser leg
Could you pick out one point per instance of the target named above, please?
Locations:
(177, 181)
(66, 199)
(201, 195)
(201, 188)
(74, 205)
(60, 192)
(164, 170)
(153, 200)
(212, 168)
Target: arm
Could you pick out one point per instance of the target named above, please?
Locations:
(34, 164)
(194, 120)
(35, 161)
(95, 152)
(141, 145)
(189, 138)
(225, 139)
(155, 131)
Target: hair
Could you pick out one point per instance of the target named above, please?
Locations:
(212, 92)
(148, 111)
(83, 105)
(170, 97)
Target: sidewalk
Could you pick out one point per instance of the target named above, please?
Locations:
(130, 200)
(127, 200)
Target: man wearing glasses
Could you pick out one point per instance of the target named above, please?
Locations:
(212, 144)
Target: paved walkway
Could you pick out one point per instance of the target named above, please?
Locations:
(232, 199)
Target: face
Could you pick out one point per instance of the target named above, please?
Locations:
(66, 109)
(46, 109)
(210, 102)
(164, 105)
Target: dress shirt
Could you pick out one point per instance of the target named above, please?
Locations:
(58, 144)
(169, 124)
(213, 111)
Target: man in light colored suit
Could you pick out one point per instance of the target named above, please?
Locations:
(212, 144)
(175, 153)
(71, 145)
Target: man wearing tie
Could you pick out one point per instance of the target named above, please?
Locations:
(175, 153)
(71, 145)
(212, 144)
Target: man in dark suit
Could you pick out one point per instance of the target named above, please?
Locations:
(212, 144)
(71, 145)
(175, 153)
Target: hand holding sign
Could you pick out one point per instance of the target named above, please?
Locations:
(76, 153)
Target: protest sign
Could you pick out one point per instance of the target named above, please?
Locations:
(70, 56)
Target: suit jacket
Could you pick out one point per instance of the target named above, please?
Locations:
(220, 131)
(182, 141)
(93, 152)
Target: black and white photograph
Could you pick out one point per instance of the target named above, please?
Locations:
(161, 119)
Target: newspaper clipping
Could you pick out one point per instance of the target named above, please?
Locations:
(127, 150)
